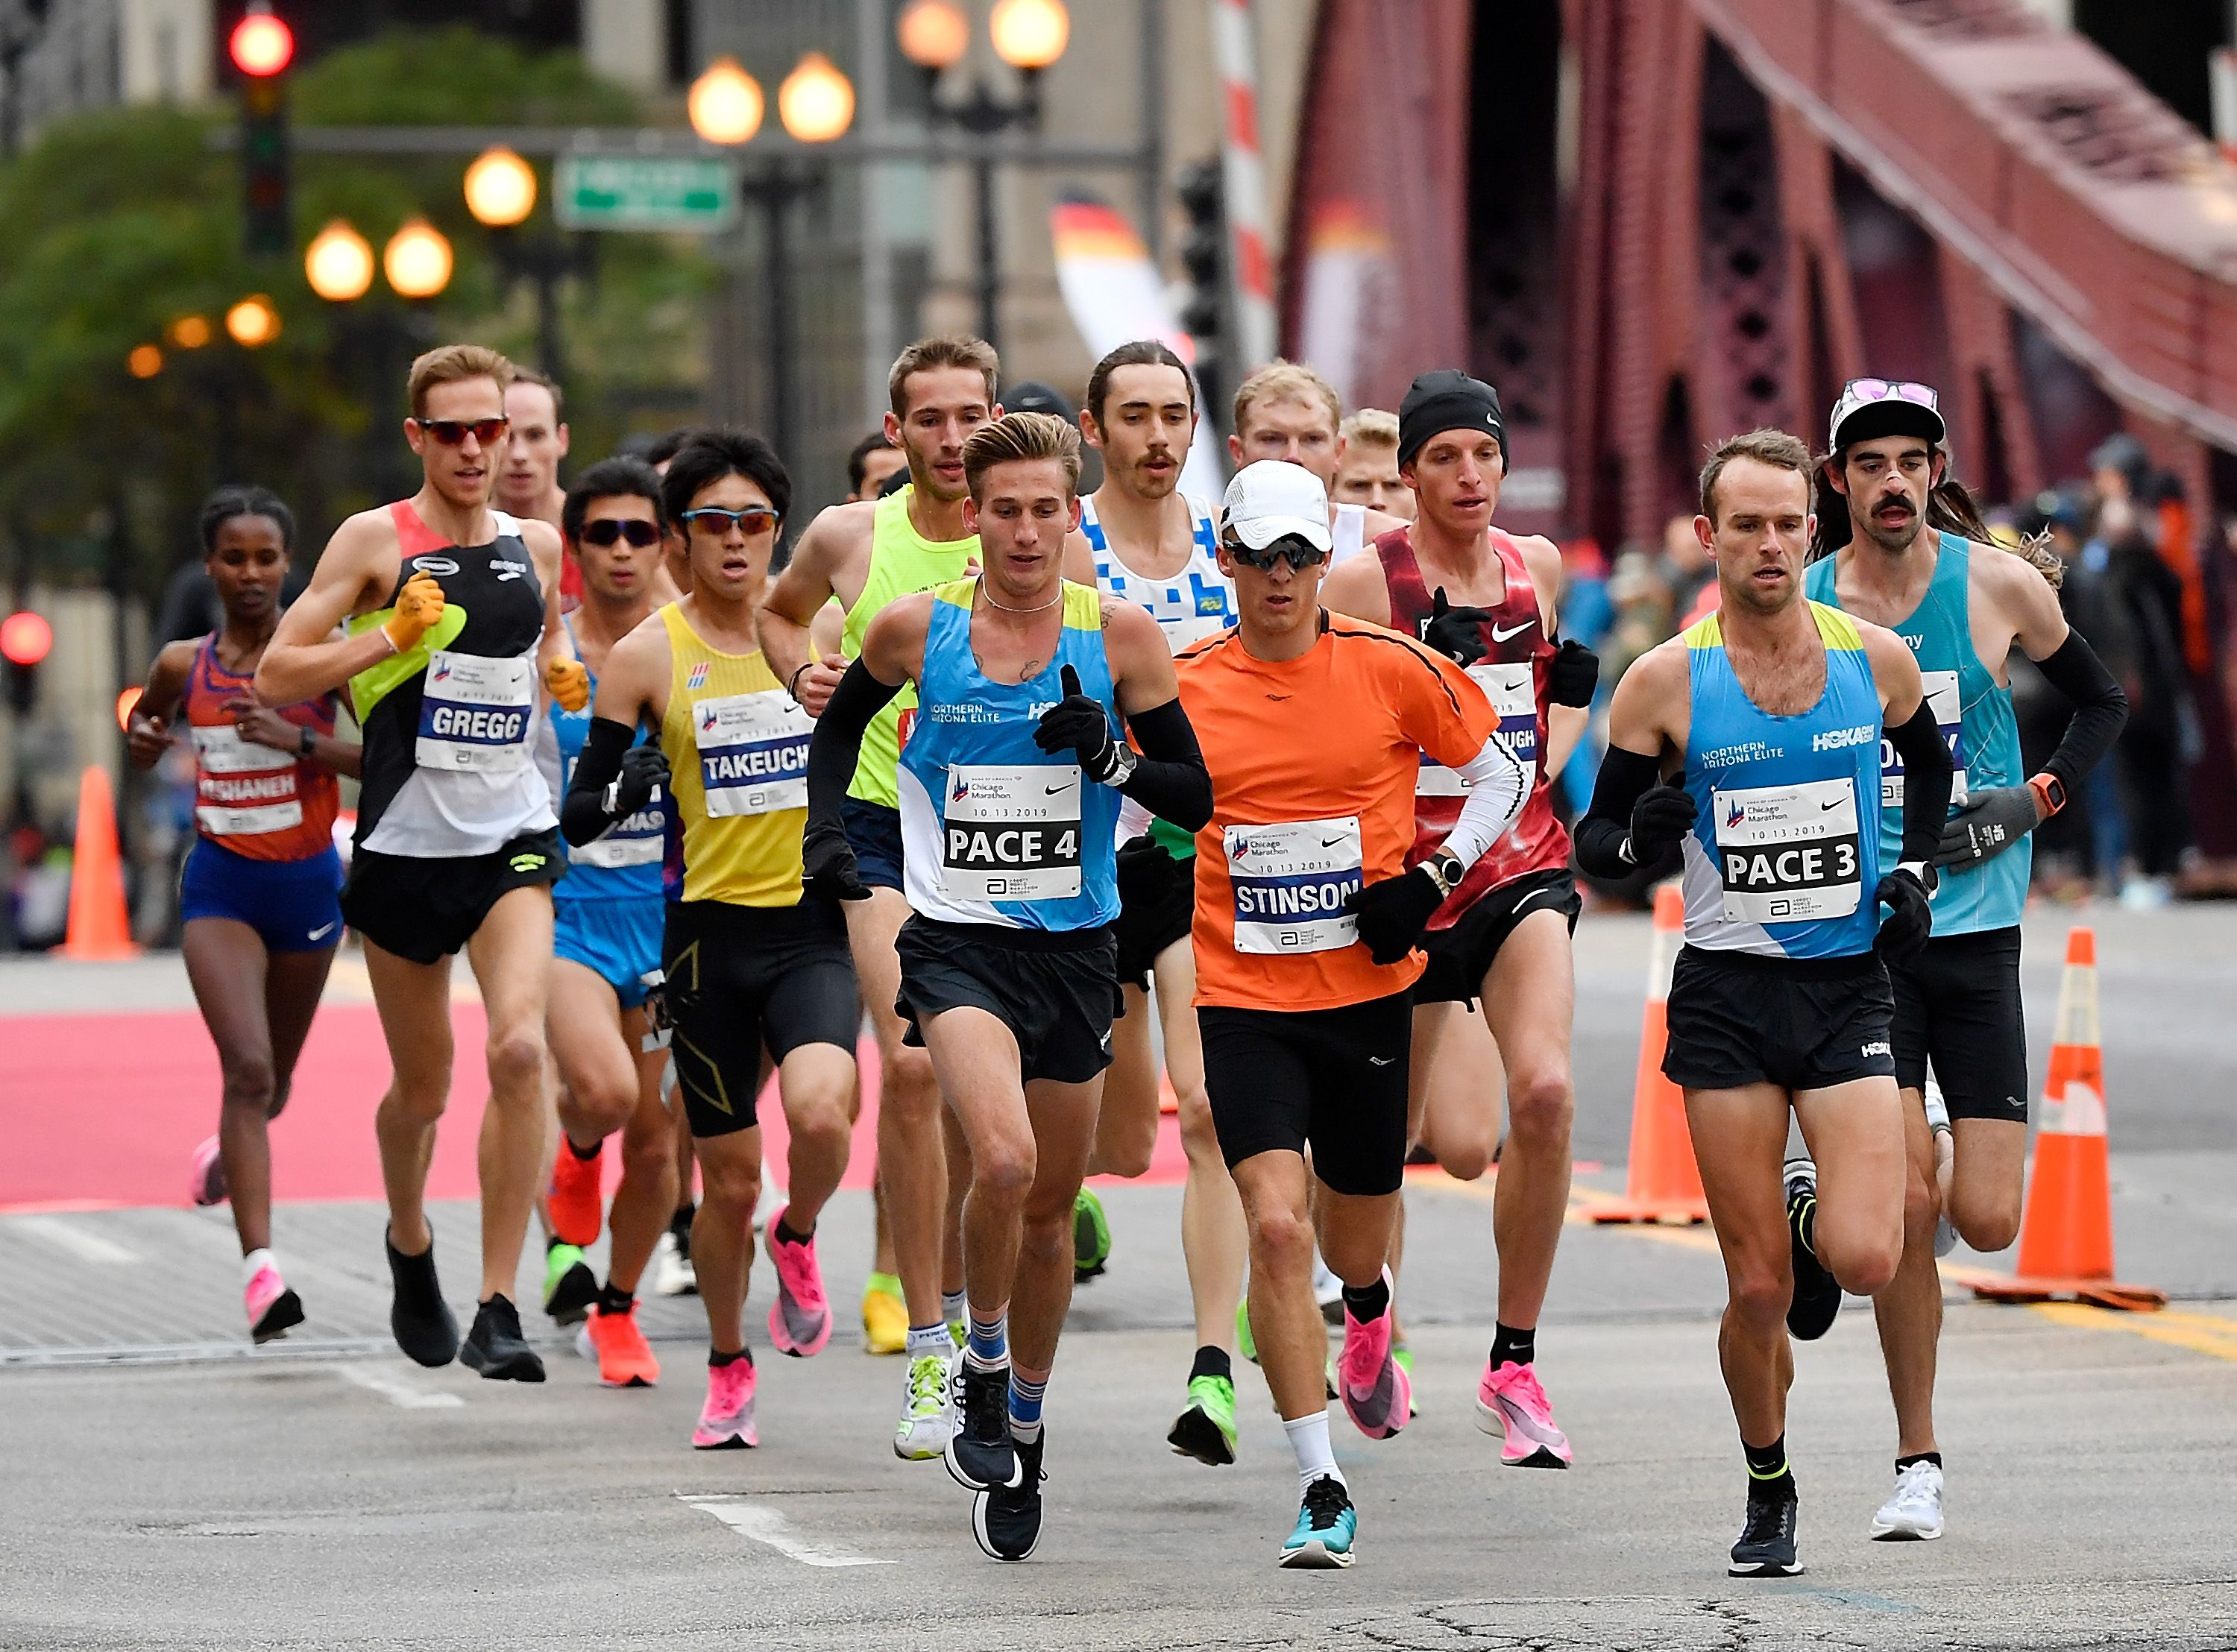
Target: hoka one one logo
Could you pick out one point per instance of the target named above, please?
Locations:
(697, 680)
(1834, 739)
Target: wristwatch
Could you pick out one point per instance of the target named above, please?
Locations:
(2049, 793)
(306, 742)
(1123, 761)
(1445, 871)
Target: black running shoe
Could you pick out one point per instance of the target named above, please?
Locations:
(495, 1346)
(981, 1454)
(420, 1320)
(569, 1286)
(1007, 1519)
(1817, 1293)
(1767, 1544)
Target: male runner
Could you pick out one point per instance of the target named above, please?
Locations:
(1486, 601)
(1286, 411)
(1010, 788)
(751, 960)
(868, 555)
(1305, 925)
(452, 607)
(1773, 708)
(1963, 606)
(871, 461)
(607, 917)
(528, 482)
(1142, 541)
(1368, 474)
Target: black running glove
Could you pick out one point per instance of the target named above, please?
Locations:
(1146, 872)
(828, 869)
(1574, 674)
(1660, 821)
(644, 777)
(1453, 631)
(1989, 823)
(1907, 893)
(1082, 725)
(1393, 913)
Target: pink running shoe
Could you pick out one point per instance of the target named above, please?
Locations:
(206, 1175)
(1511, 1404)
(272, 1308)
(726, 1421)
(800, 1320)
(1375, 1391)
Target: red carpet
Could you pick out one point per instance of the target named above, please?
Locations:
(103, 1109)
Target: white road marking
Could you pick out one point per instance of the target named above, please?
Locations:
(396, 1391)
(66, 1235)
(752, 1518)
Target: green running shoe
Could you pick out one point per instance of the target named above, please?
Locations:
(1404, 1358)
(1244, 1343)
(1091, 1236)
(569, 1286)
(1206, 1429)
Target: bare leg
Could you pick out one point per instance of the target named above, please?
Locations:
(414, 1002)
(646, 1194)
(1988, 1169)
(1739, 1138)
(976, 1057)
(1215, 1240)
(511, 959)
(815, 1082)
(911, 1166)
(722, 1232)
(1528, 999)
(226, 963)
(1284, 1320)
(1063, 1122)
(1126, 1125)
(1909, 1310)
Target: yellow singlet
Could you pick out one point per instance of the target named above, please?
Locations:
(902, 562)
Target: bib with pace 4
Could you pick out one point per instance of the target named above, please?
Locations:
(637, 841)
(1291, 880)
(753, 753)
(244, 788)
(1789, 854)
(475, 713)
(1011, 833)
(1512, 689)
(1950, 714)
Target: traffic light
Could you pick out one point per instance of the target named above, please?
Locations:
(1203, 253)
(262, 46)
(25, 637)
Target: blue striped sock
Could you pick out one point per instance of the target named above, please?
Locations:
(989, 1342)
(1026, 1396)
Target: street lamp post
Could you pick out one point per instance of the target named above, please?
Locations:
(500, 189)
(1028, 35)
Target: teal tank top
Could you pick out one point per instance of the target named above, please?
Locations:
(1975, 711)
(1782, 861)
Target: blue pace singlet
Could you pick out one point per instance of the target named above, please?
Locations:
(624, 863)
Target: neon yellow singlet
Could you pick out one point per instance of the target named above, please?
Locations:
(902, 563)
(737, 755)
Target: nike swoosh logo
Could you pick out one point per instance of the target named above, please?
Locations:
(1275, 696)
(1536, 894)
(1835, 804)
(1330, 843)
(1052, 790)
(322, 931)
(1501, 632)
(1380, 1061)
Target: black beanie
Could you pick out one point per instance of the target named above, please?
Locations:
(1448, 399)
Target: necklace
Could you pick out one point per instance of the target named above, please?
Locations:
(1038, 608)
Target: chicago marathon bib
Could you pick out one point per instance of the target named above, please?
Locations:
(1011, 833)
(475, 712)
(637, 841)
(1788, 853)
(243, 788)
(1512, 689)
(1949, 714)
(753, 753)
(1291, 881)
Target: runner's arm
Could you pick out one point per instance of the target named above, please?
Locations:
(593, 802)
(2071, 666)
(1908, 717)
(555, 648)
(148, 735)
(786, 620)
(1169, 778)
(1635, 818)
(305, 658)
(1565, 728)
(1446, 714)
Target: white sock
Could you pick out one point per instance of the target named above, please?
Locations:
(1309, 1439)
(255, 1263)
(952, 1308)
(930, 1338)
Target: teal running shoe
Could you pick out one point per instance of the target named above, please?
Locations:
(1325, 1526)
(1206, 1429)
(1091, 1236)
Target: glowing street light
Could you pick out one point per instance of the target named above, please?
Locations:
(191, 331)
(816, 102)
(145, 361)
(500, 187)
(934, 34)
(338, 263)
(725, 102)
(1029, 34)
(25, 637)
(254, 322)
(417, 260)
(261, 45)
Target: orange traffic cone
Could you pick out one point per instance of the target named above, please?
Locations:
(2066, 1233)
(1663, 1184)
(98, 926)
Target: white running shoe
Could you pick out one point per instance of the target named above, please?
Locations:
(927, 1416)
(1937, 1120)
(672, 1272)
(1328, 1291)
(1914, 1512)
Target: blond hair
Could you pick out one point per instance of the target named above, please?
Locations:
(1021, 435)
(944, 350)
(454, 363)
(1775, 448)
(1371, 427)
(1285, 381)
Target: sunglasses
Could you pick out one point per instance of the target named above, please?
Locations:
(1300, 552)
(754, 519)
(606, 530)
(1889, 390)
(452, 432)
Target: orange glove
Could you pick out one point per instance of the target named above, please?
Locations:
(569, 682)
(418, 610)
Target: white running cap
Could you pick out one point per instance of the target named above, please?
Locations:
(1271, 498)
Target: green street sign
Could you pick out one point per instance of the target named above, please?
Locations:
(694, 196)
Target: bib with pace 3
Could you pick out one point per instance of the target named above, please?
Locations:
(1011, 833)
(1513, 690)
(1788, 853)
(475, 713)
(640, 840)
(753, 753)
(244, 788)
(1291, 880)
(1950, 712)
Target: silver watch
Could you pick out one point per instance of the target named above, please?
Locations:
(1445, 871)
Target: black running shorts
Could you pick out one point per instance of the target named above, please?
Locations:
(1461, 957)
(1161, 913)
(1336, 1079)
(1737, 1018)
(425, 908)
(740, 978)
(1957, 1005)
(1057, 991)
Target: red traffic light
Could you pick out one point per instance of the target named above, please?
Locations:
(262, 44)
(25, 637)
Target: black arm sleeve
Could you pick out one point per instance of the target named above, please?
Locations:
(1606, 827)
(1169, 779)
(1927, 777)
(2099, 709)
(837, 746)
(583, 814)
